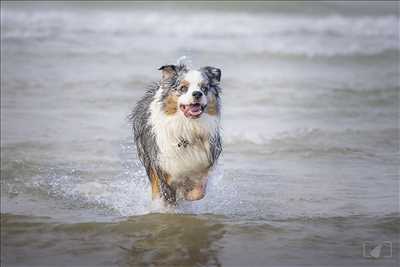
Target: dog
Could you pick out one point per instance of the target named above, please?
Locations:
(176, 128)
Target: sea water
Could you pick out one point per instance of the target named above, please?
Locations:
(310, 118)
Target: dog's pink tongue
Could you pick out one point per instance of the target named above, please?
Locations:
(194, 110)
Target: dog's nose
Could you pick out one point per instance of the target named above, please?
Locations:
(197, 94)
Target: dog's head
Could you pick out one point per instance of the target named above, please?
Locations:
(191, 92)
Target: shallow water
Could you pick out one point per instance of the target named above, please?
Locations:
(195, 240)
(309, 173)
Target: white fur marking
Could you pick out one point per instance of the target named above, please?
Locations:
(194, 77)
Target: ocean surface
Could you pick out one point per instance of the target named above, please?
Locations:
(310, 169)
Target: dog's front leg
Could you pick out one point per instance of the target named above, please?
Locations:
(168, 193)
(160, 187)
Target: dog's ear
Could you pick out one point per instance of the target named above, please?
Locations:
(214, 74)
(168, 71)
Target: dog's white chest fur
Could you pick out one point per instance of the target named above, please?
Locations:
(184, 149)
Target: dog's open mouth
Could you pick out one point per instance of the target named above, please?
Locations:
(192, 111)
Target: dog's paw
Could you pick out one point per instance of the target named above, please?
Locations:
(196, 194)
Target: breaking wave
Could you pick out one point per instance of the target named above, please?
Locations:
(257, 33)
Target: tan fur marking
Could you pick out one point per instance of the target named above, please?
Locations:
(168, 179)
(155, 184)
(212, 106)
(184, 83)
(171, 105)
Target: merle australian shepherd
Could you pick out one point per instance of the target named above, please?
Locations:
(176, 129)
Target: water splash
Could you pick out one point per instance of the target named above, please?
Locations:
(185, 61)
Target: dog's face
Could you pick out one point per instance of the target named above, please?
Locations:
(191, 92)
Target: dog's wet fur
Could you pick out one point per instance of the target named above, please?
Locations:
(176, 129)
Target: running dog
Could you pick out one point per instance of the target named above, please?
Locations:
(176, 129)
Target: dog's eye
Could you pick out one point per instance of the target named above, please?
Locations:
(205, 90)
(183, 88)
